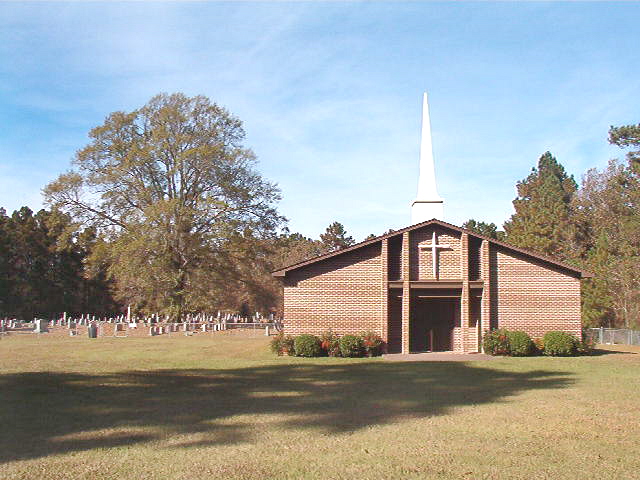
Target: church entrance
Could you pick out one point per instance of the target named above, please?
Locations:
(433, 322)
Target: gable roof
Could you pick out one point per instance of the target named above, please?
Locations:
(283, 271)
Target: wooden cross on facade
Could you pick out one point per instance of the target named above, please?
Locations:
(434, 246)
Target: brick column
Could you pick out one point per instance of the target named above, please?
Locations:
(384, 290)
(465, 298)
(406, 293)
(485, 275)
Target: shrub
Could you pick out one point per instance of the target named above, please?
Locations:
(585, 347)
(282, 344)
(276, 343)
(307, 346)
(372, 343)
(560, 344)
(350, 346)
(537, 342)
(329, 344)
(496, 342)
(520, 344)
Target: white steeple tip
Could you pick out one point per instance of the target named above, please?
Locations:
(428, 203)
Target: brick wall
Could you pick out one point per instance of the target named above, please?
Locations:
(533, 296)
(341, 293)
(449, 259)
(346, 293)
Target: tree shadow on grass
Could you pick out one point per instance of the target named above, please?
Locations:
(48, 413)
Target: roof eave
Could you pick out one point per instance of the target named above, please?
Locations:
(283, 271)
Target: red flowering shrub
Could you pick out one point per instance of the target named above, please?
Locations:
(372, 343)
(496, 342)
(282, 344)
(329, 344)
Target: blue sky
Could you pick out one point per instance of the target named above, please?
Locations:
(330, 93)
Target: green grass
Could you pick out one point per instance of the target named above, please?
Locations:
(221, 406)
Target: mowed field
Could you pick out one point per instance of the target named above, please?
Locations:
(222, 406)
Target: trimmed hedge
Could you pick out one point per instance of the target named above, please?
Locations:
(351, 346)
(520, 344)
(307, 346)
(559, 344)
(369, 343)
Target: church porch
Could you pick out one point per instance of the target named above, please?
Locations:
(441, 317)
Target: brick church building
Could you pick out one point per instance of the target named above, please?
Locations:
(431, 286)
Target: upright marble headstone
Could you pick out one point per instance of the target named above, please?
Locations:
(40, 326)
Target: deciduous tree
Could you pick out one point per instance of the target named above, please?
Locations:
(177, 200)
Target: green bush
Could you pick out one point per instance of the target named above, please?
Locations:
(559, 344)
(351, 346)
(372, 343)
(282, 344)
(520, 344)
(496, 342)
(329, 344)
(307, 346)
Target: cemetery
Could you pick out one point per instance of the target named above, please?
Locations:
(126, 325)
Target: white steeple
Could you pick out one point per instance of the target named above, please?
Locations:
(428, 203)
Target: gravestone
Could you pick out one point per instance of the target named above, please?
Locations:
(41, 326)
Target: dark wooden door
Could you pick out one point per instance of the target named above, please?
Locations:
(432, 324)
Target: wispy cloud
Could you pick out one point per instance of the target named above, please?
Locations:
(330, 93)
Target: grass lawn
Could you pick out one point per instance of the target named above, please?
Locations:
(222, 406)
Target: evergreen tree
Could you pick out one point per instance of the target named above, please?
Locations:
(597, 303)
(542, 218)
(42, 267)
(487, 229)
(335, 238)
(627, 136)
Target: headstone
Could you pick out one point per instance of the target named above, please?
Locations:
(92, 331)
(41, 326)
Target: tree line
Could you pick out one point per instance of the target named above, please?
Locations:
(165, 211)
(594, 225)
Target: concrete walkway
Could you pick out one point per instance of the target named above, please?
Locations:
(437, 357)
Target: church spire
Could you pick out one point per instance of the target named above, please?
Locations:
(428, 203)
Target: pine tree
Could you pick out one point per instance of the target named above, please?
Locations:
(542, 218)
(597, 303)
(627, 136)
(487, 229)
(335, 238)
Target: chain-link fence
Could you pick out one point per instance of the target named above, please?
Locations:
(613, 336)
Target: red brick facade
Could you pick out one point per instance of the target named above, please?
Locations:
(387, 285)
